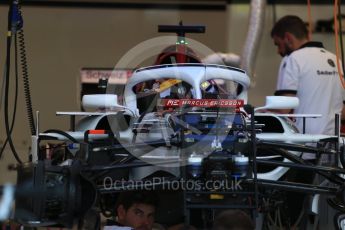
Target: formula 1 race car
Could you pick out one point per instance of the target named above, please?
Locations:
(186, 130)
(193, 126)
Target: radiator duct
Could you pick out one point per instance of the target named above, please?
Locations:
(253, 38)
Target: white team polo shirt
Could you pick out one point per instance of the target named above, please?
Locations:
(311, 73)
(280, 73)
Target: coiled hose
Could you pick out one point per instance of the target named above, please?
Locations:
(22, 49)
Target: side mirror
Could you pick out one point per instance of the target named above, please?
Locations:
(280, 102)
(100, 102)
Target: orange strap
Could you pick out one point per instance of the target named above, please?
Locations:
(336, 32)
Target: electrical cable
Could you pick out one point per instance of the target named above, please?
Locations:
(63, 133)
(10, 31)
(3, 87)
(15, 97)
(2, 92)
(341, 74)
(26, 78)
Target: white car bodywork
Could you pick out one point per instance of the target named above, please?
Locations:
(194, 75)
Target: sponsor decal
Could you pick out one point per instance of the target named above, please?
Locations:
(326, 72)
(221, 103)
(331, 62)
(114, 76)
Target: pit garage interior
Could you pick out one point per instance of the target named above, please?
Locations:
(71, 44)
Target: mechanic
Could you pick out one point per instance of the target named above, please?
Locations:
(233, 220)
(309, 72)
(135, 210)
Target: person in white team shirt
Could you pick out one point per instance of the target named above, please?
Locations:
(309, 72)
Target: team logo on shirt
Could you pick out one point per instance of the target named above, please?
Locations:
(331, 62)
(325, 72)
